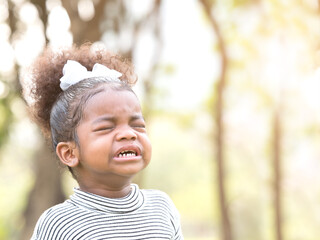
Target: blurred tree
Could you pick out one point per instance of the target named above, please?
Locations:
(277, 173)
(47, 189)
(5, 111)
(85, 30)
(9, 87)
(218, 113)
(13, 89)
(43, 14)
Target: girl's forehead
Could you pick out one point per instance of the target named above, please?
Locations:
(111, 101)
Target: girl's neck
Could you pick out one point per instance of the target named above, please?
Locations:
(107, 191)
(110, 187)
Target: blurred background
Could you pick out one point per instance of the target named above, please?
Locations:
(231, 93)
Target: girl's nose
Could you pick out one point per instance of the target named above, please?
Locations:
(126, 133)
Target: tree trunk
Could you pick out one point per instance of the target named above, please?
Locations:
(42, 10)
(85, 31)
(277, 173)
(218, 114)
(47, 190)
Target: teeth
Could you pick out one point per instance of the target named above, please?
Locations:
(127, 154)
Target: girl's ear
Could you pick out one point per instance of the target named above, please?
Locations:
(67, 152)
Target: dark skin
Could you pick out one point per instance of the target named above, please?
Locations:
(114, 145)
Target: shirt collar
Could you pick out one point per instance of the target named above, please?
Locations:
(129, 203)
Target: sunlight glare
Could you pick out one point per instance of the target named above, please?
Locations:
(27, 48)
(51, 4)
(3, 90)
(140, 8)
(143, 61)
(24, 133)
(28, 13)
(312, 3)
(4, 13)
(18, 2)
(58, 19)
(190, 51)
(5, 32)
(311, 90)
(86, 10)
(6, 57)
(58, 28)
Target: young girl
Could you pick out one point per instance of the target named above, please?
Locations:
(84, 101)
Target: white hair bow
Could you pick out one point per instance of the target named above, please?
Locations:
(74, 72)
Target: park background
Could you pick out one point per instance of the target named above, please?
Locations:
(231, 93)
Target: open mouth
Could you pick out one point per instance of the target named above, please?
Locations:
(127, 153)
(130, 151)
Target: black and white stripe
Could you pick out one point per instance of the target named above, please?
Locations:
(143, 214)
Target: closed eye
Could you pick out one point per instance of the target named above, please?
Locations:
(105, 128)
(137, 122)
(139, 126)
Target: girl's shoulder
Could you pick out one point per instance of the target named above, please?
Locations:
(154, 193)
(160, 201)
(157, 197)
(50, 218)
(53, 212)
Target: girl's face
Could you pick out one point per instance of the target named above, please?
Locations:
(114, 145)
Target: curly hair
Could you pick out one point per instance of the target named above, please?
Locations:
(59, 112)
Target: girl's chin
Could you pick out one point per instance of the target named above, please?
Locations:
(130, 171)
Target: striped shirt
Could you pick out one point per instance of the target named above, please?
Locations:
(142, 214)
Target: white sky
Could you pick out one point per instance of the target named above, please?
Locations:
(188, 45)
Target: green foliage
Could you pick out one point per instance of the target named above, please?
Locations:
(240, 3)
(182, 167)
(6, 117)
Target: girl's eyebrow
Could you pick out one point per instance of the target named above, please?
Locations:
(113, 119)
(137, 117)
(103, 119)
